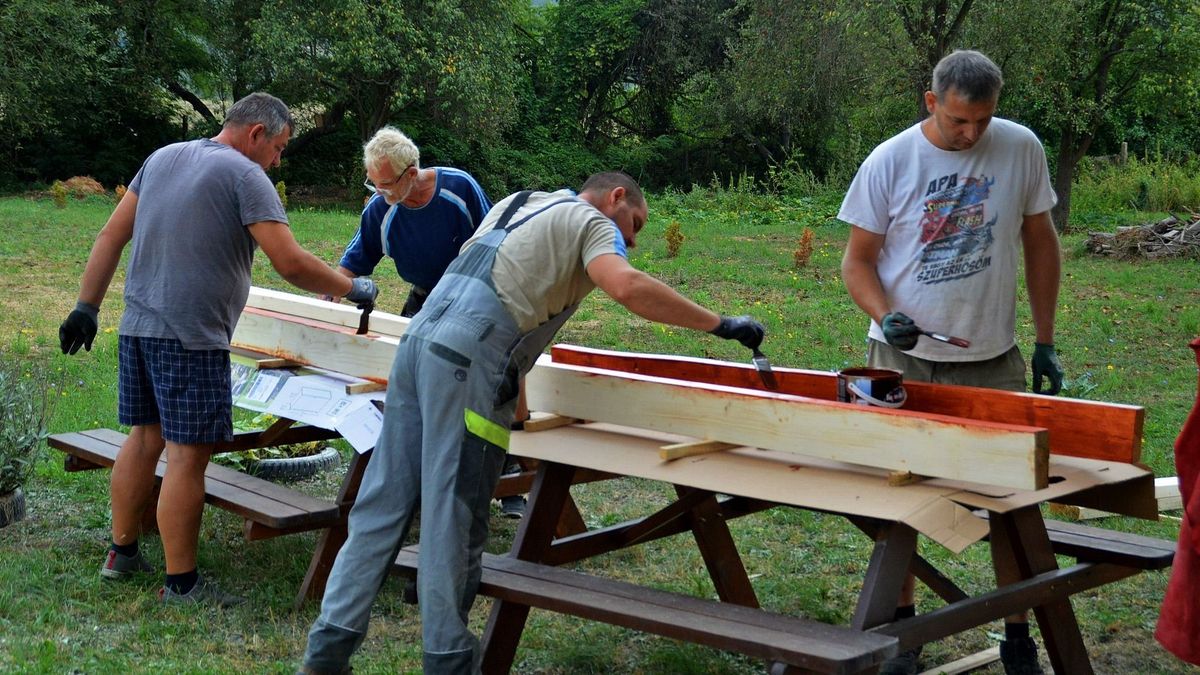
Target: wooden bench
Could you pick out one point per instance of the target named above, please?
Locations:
(1101, 545)
(804, 645)
(269, 510)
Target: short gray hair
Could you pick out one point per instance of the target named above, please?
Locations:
(391, 145)
(974, 76)
(604, 182)
(261, 108)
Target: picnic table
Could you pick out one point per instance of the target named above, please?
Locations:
(713, 488)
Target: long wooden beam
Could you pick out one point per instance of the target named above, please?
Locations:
(1078, 428)
(314, 343)
(925, 444)
(307, 307)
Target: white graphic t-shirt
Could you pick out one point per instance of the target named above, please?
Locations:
(952, 225)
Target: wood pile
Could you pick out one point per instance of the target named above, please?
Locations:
(1170, 237)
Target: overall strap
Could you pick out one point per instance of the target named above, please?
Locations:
(515, 204)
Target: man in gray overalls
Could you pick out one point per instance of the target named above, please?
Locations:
(451, 398)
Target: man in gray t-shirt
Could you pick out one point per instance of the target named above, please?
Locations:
(195, 213)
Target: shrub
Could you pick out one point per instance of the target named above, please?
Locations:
(24, 412)
(674, 239)
(59, 192)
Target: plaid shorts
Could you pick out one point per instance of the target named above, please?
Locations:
(187, 391)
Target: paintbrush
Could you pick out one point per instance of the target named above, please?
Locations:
(763, 366)
(948, 339)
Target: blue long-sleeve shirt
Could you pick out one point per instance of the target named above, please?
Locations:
(421, 241)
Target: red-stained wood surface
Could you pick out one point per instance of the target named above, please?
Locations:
(1078, 428)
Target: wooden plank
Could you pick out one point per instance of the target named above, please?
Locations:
(274, 506)
(679, 450)
(967, 663)
(364, 388)
(1077, 428)
(345, 315)
(1166, 494)
(898, 440)
(727, 626)
(313, 343)
(542, 422)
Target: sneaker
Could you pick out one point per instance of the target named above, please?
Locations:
(204, 591)
(1020, 657)
(905, 663)
(513, 507)
(117, 566)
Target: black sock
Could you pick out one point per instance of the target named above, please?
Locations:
(1017, 630)
(182, 583)
(906, 612)
(128, 550)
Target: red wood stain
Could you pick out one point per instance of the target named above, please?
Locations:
(1077, 428)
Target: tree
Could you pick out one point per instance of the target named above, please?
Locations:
(1107, 49)
(48, 49)
(449, 62)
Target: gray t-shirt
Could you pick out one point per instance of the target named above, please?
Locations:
(189, 266)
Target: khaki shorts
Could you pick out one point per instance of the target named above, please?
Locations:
(1006, 372)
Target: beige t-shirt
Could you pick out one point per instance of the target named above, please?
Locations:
(541, 267)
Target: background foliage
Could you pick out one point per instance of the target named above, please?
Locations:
(676, 92)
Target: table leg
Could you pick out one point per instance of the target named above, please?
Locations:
(550, 492)
(719, 550)
(332, 539)
(895, 546)
(1020, 550)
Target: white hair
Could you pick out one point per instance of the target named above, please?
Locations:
(391, 145)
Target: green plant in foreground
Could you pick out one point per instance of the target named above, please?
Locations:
(244, 460)
(24, 414)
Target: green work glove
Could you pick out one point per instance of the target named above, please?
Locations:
(900, 331)
(79, 329)
(741, 328)
(1046, 365)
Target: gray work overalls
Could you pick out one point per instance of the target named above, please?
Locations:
(451, 398)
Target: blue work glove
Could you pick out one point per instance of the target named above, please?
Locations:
(79, 329)
(741, 328)
(900, 331)
(1046, 365)
(362, 292)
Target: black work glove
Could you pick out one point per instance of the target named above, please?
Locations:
(900, 331)
(741, 328)
(362, 292)
(79, 329)
(1046, 366)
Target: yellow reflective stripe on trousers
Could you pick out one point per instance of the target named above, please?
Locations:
(486, 429)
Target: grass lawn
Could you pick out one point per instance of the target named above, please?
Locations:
(1122, 333)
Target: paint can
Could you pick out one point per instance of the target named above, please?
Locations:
(881, 387)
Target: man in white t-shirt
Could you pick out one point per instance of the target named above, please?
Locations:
(940, 213)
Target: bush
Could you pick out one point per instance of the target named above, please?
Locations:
(1157, 184)
(24, 412)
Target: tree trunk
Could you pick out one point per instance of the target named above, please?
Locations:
(1071, 149)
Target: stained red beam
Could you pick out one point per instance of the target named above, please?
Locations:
(1078, 428)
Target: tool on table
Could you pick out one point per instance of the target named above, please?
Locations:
(365, 319)
(763, 366)
(948, 339)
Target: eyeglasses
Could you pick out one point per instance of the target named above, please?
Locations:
(388, 191)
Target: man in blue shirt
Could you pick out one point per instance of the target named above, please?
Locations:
(418, 217)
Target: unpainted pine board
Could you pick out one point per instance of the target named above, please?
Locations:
(968, 663)
(313, 343)
(338, 314)
(898, 440)
(1078, 428)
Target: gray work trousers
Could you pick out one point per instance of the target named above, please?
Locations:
(451, 397)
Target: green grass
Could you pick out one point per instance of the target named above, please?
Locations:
(1123, 330)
